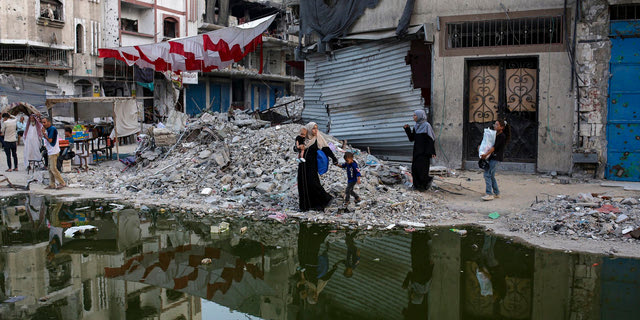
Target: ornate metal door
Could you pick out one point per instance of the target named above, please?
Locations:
(503, 89)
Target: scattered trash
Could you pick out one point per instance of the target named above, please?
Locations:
(243, 230)
(77, 231)
(494, 215)
(206, 261)
(607, 208)
(460, 232)
(281, 217)
(220, 228)
(206, 191)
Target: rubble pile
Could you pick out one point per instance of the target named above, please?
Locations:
(582, 216)
(290, 107)
(234, 165)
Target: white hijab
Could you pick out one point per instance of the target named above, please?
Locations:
(311, 139)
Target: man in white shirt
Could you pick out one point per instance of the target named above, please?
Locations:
(10, 135)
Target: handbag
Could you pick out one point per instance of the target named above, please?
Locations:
(483, 164)
(323, 163)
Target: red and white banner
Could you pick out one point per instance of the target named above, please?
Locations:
(205, 52)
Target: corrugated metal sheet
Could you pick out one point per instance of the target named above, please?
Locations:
(369, 95)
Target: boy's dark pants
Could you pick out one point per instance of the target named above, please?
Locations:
(349, 192)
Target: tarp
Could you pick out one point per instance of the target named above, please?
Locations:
(205, 52)
(333, 21)
(126, 119)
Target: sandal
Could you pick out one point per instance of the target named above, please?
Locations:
(61, 186)
(8, 170)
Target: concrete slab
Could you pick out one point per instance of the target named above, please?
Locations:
(628, 186)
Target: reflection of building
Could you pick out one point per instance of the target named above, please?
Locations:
(71, 284)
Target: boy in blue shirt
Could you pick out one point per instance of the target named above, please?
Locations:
(353, 177)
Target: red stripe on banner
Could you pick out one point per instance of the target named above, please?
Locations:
(109, 53)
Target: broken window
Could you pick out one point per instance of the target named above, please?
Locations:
(170, 28)
(51, 9)
(625, 12)
(129, 25)
(505, 32)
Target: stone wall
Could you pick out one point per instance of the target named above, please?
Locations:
(593, 51)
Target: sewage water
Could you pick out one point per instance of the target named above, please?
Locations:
(94, 259)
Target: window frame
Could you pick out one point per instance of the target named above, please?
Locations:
(443, 34)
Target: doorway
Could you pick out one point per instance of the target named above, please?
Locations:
(502, 89)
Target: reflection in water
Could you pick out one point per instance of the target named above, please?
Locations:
(98, 260)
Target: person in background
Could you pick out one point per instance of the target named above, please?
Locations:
(353, 177)
(495, 155)
(53, 150)
(424, 149)
(32, 140)
(9, 133)
(20, 125)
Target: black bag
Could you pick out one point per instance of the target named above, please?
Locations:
(483, 164)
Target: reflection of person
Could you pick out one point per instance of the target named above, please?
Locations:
(495, 155)
(53, 150)
(32, 140)
(312, 269)
(9, 133)
(353, 254)
(311, 193)
(418, 280)
(424, 149)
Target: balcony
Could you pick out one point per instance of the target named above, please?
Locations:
(29, 57)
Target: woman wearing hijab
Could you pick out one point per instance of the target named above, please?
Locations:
(32, 140)
(423, 150)
(310, 191)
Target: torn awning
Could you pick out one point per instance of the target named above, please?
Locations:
(205, 52)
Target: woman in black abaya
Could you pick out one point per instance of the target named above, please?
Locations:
(423, 150)
(310, 191)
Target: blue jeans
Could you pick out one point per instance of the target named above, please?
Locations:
(490, 178)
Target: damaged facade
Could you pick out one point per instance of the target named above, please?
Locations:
(50, 47)
(470, 64)
(261, 77)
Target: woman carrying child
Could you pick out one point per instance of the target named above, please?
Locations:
(311, 193)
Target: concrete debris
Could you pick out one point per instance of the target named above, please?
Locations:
(251, 170)
(576, 218)
(163, 137)
(290, 107)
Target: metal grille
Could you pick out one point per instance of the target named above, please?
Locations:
(505, 32)
(503, 89)
(24, 56)
(625, 12)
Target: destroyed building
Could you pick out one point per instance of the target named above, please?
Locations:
(49, 47)
(254, 83)
(543, 66)
(261, 77)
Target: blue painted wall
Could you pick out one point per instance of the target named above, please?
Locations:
(196, 95)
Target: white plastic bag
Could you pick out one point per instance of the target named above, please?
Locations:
(486, 289)
(488, 140)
